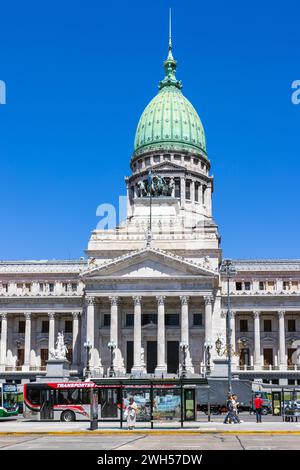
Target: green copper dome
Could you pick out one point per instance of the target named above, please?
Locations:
(170, 122)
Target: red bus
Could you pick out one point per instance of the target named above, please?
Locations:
(69, 401)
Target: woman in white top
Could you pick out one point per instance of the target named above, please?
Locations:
(131, 412)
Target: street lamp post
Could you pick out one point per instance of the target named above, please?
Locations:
(184, 347)
(228, 269)
(88, 346)
(112, 346)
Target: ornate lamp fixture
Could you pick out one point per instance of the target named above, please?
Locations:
(112, 346)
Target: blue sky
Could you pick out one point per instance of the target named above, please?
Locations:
(78, 76)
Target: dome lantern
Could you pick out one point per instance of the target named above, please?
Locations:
(170, 122)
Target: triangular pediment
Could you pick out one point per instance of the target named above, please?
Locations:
(149, 263)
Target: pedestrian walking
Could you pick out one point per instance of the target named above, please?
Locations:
(130, 413)
(235, 405)
(230, 417)
(257, 402)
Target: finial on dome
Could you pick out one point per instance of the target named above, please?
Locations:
(170, 63)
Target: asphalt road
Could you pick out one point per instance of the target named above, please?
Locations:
(148, 442)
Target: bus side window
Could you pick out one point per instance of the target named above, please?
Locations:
(85, 396)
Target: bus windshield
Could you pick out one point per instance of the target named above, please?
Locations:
(9, 397)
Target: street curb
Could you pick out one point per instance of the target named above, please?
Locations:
(142, 432)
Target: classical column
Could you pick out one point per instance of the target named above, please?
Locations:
(208, 318)
(75, 339)
(3, 341)
(257, 356)
(282, 356)
(90, 327)
(51, 339)
(137, 336)
(27, 345)
(184, 299)
(161, 367)
(118, 360)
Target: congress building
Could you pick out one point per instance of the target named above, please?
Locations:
(150, 293)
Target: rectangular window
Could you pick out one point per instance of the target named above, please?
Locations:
(247, 285)
(267, 325)
(19, 286)
(129, 319)
(45, 326)
(197, 319)
(21, 326)
(261, 285)
(106, 319)
(20, 357)
(268, 357)
(172, 319)
(74, 287)
(177, 187)
(44, 357)
(270, 285)
(41, 287)
(68, 326)
(294, 285)
(243, 325)
(51, 287)
(291, 325)
(65, 286)
(28, 287)
(187, 190)
(238, 286)
(5, 287)
(286, 285)
(197, 185)
(290, 359)
(148, 318)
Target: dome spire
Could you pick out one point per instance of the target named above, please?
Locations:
(170, 63)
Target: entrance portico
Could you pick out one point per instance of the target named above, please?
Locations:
(151, 301)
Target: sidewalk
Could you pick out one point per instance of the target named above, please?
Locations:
(22, 427)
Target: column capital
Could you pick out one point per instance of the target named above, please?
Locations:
(137, 299)
(208, 299)
(232, 313)
(114, 299)
(27, 315)
(281, 313)
(76, 315)
(51, 315)
(184, 299)
(3, 315)
(256, 313)
(160, 299)
(91, 300)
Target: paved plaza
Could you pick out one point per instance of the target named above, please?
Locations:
(145, 441)
(272, 434)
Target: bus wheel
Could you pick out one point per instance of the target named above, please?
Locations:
(67, 416)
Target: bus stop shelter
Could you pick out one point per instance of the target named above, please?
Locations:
(158, 400)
